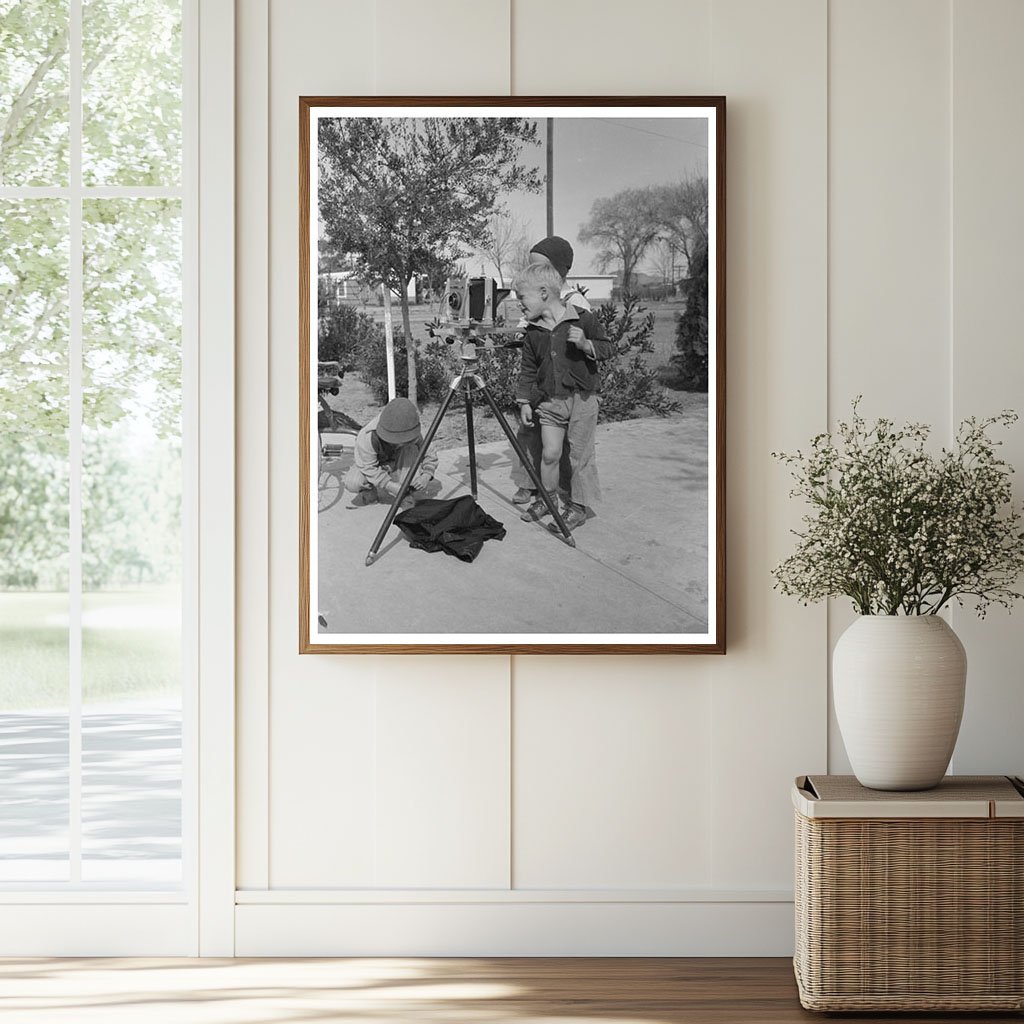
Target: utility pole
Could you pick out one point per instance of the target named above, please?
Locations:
(551, 176)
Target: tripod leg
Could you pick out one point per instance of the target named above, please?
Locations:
(529, 466)
(472, 446)
(409, 477)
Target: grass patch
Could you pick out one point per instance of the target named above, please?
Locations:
(130, 647)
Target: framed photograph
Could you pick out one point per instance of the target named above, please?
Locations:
(512, 375)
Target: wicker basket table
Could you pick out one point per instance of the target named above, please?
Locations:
(910, 901)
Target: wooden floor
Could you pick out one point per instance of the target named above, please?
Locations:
(413, 991)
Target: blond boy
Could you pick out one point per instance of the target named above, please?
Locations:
(559, 381)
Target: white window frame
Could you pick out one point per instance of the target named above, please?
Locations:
(197, 918)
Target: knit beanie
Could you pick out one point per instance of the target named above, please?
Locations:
(399, 422)
(558, 251)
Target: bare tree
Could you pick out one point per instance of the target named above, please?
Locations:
(666, 260)
(625, 226)
(507, 240)
(684, 217)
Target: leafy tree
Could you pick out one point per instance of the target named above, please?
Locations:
(398, 195)
(33, 512)
(131, 511)
(433, 279)
(33, 93)
(131, 92)
(131, 308)
(625, 226)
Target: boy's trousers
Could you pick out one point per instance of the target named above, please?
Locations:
(576, 413)
(529, 438)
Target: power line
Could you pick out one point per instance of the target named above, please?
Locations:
(647, 131)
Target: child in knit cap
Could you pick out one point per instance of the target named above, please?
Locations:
(553, 251)
(385, 451)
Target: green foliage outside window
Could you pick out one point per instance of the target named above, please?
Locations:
(131, 85)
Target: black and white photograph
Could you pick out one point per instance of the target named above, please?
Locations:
(512, 375)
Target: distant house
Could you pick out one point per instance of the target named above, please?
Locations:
(596, 287)
(347, 287)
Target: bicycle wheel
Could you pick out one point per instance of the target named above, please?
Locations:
(336, 458)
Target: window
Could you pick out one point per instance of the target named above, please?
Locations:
(94, 477)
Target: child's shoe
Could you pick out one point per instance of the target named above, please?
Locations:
(535, 512)
(523, 496)
(367, 496)
(574, 516)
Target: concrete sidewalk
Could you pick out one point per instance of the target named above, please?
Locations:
(640, 566)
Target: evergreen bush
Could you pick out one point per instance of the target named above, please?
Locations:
(691, 359)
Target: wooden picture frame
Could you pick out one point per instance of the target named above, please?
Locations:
(647, 573)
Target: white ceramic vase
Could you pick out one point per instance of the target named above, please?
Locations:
(898, 684)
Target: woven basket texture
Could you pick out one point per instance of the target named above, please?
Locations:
(911, 914)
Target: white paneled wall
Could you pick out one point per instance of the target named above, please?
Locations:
(441, 48)
(889, 211)
(604, 49)
(987, 356)
(442, 799)
(612, 785)
(625, 805)
(889, 200)
(768, 693)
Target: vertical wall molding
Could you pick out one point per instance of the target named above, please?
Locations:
(253, 400)
(216, 478)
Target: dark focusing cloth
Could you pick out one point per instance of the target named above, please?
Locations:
(456, 526)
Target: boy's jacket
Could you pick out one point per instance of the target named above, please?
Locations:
(552, 366)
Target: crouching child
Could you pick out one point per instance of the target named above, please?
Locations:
(385, 450)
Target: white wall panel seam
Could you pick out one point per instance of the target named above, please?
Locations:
(828, 341)
(951, 340)
(511, 712)
(375, 767)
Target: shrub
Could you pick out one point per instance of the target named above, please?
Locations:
(627, 330)
(500, 370)
(343, 333)
(628, 383)
(433, 368)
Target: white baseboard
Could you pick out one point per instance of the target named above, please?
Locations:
(99, 928)
(514, 928)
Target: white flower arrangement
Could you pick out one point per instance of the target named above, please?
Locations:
(899, 530)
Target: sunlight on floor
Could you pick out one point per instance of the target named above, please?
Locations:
(167, 991)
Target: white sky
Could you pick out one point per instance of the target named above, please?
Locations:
(597, 157)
